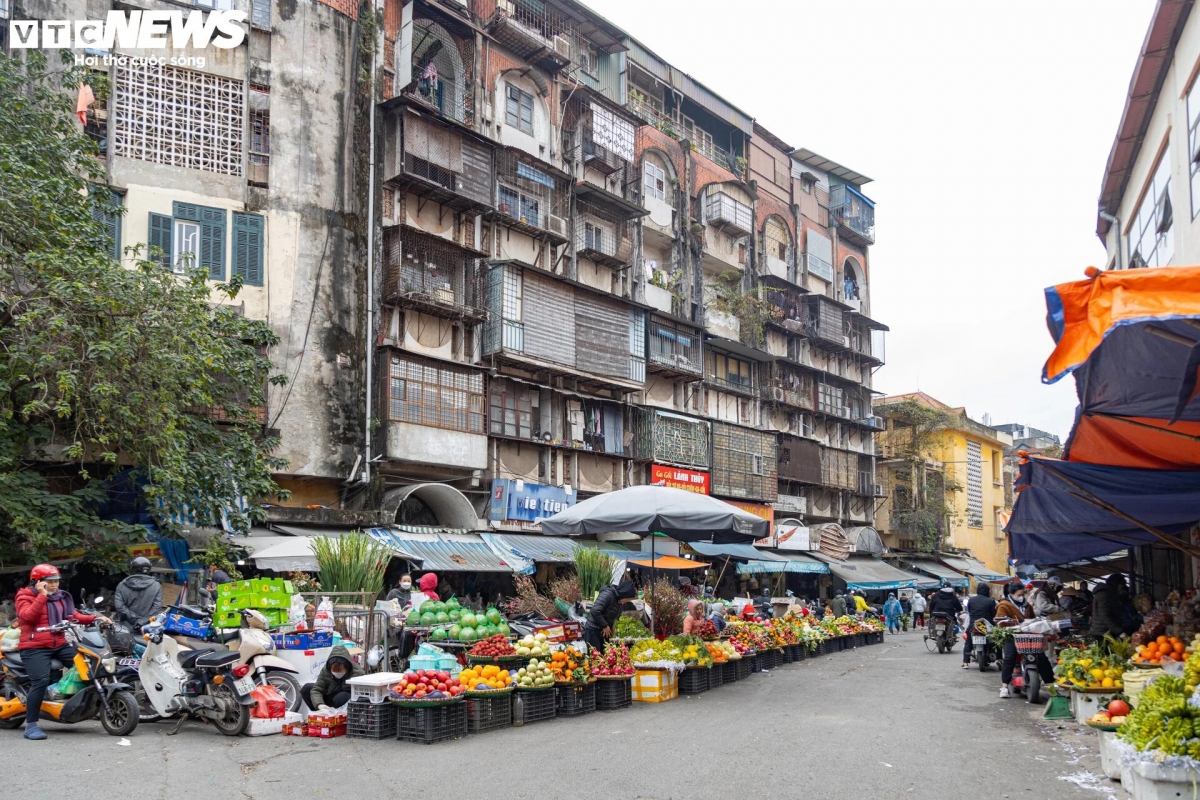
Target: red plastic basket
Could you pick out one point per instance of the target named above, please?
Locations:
(1028, 642)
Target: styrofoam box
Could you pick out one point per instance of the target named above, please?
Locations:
(1110, 759)
(308, 663)
(372, 688)
(655, 686)
(1157, 782)
(266, 727)
(1085, 704)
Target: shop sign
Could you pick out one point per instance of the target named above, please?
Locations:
(687, 479)
(793, 537)
(759, 510)
(148, 549)
(791, 504)
(522, 501)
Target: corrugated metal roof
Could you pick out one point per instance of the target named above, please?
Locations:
(540, 549)
(806, 156)
(736, 550)
(940, 571)
(971, 566)
(796, 563)
(443, 552)
(692, 89)
(869, 573)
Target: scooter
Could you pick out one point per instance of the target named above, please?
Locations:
(129, 645)
(981, 647)
(941, 632)
(205, 683)
(1033, 639)
(103, 694)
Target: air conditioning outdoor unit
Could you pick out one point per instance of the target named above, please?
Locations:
(556, 225)
(778, 394)
(562, 47)
(879, 490)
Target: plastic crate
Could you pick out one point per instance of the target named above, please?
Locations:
(613, 695)
(372, 688)
(540, 705)
(367, 720)
(799, 653)
(730, 672)
(308, 640)
(716, 676)
(756, 663)
(693, 680)
(744, 668)
(766, 659)
(489, 713)
(429, 725)
(786, 655)
(572, 701)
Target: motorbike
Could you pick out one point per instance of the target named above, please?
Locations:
(205, 683)
(940, 631)
(982, 650)
(128, 644)
(1033, 639)
(103, 695)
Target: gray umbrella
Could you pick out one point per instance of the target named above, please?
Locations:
(686, 516)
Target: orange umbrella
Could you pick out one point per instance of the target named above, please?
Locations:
(668, 562)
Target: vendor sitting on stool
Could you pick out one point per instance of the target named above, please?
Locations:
(330, 689)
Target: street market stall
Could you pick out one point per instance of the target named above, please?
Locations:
(869, 574)
(942, 574)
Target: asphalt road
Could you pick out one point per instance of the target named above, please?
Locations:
(884, 721)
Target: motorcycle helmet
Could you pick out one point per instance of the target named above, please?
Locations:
(44, 572)
(139, 566)
(1054, 581)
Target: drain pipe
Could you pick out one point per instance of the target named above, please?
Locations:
(370, 337)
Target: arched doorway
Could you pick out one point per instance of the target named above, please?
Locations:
(854, 284)
(437, 69)
(430, 504)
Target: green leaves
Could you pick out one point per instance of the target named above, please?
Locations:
(351, 563)
(105, 367)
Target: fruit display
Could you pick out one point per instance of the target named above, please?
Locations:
(1191, 673)
(751, 635)
(655, 654)
(721, 652)
(569, 666)
(534, 645)
(1094, 667)
(1113, 714)
(494, 647)
(1161, 648)
(695, 652)
(613, 662)
(1164, 720)
(630, 628)
(535, 676)
(470, 626)
(427, 685)
(485, 678)
(1153, 627)
(707, 630)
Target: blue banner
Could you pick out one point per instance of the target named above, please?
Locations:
(522, 501)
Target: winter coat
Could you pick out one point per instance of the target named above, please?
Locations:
(944, 602)
(918, 603)
(32, 614)
(1008, 615)
(905, 605)
(981, 606)
(326, 685)
(1040, 605)
(138, 598)
(1105, 618)
(402, 596)
(606, 609)
(838, 606)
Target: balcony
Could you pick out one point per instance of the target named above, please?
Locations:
(532, 31)
(675, 350)
(439, 163)
(601, 158)
(602, 245)
(784, 395)
(722, 325)
(659, 298)
(732, 216)
(431, 276)
(530, 199)
(773, 266)
(854, 213)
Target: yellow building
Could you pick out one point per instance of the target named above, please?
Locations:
(943, 477)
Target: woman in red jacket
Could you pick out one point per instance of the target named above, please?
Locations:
(40, 605)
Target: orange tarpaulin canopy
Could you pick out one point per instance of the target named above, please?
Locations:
(668, 562)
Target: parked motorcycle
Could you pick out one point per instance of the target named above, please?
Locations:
(1035, 639)
(103, 695)
(940, 631)
(129, 644)
(982, 651)
(203, 683)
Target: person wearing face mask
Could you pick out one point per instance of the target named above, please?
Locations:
(1009, 613)
(403, 591)
(330, 689)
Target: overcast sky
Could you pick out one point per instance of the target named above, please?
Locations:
(985, 126)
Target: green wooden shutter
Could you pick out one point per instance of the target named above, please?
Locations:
(212, 236)
(247, 248)
(160, 236)
(108, 214)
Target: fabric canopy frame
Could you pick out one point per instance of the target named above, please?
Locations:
(943, 575)
(663, 561)
(870, 574)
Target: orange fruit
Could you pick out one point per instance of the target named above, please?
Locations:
(1161, 640)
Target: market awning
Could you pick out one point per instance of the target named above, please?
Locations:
(540, 549)
(443, 552)
(976, 568)
(282, 553)
(668, 562)
(865, 572)
(734, 550)
(796, 563)
(945, 575)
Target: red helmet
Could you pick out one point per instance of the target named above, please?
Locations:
(43, 572)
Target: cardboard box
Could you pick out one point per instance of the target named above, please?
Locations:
(655, 685)
(327, 733)
(269, 727)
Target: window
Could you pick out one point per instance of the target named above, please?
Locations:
(594, 237)
(756, 464)
(519, 205)
(587, 58)
(179, 117)
(219, 5)
(193, 236)
(511, 409)
(518, 110)
(512, 311)
(637, 345)
(1150, 235)
(260, 132)
(425, 392)
(674, 346)
(248, 248)
(1193, 111)
(107, 211)
(655, 178)
(260, 13)
(830, 400)
(729, 371)
(974, 485)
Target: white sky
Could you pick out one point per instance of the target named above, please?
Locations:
(985, 127)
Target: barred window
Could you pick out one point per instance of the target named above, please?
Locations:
(425, 392)
(179, 117)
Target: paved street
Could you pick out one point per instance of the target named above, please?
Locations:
(884, 721)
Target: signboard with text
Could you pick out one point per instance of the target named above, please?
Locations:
(522, 501)
(677, 478)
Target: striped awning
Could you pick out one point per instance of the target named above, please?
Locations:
(443, 551)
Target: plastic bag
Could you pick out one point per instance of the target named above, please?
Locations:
(323, 619)
(70, 683)
(10, 640)
(268, 703)
(296, 612)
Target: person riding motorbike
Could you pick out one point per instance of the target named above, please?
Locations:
(139, 596)
(604, 613)
(1012, 611)
(980, 606)
(945, 601)
(42, 604)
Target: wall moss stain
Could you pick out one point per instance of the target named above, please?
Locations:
(287, 9)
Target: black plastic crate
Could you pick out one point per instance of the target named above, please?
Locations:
(716, 676)
(801, 653)
(744, 667)
(572, 701)
(489, 713)
(540, 704)
(730, 671)
(613, 695)
(785, 655)
(770, 659)
(367, 720)
(429, 725)
(693, 680)
(755, 662)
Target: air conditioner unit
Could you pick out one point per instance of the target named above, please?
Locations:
(556, 225)
(879, 490)
(777, 393)
(878, 423)
(562, 47)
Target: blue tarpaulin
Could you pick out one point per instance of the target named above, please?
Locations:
(1058, 515)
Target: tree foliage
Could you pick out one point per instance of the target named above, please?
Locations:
(105, 367)
(916, 432)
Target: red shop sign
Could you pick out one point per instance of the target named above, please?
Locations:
(677, 478)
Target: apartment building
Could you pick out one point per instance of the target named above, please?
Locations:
(574, 268)
(1150, 194)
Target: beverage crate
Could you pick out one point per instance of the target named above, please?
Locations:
(540, 705)
(186, 626)
(613, 695)
(756, 662)
(433, 724)
(572, 701)
(489, 713)
(787, 655)
(368, 720)
(693, 680)
(372, 688)
(716, 676)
